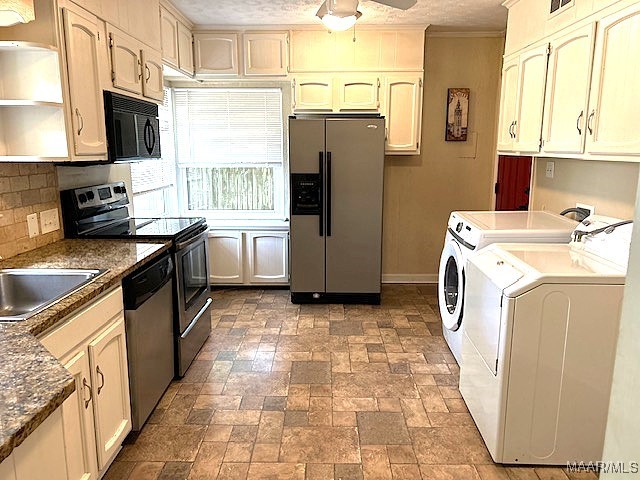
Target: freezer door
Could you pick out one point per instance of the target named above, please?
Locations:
(354, 184)
(307, 255)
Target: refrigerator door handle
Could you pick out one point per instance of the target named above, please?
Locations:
(321, 172)
(328, 194)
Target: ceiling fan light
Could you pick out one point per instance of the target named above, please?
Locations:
(13, 12)
(339, 24)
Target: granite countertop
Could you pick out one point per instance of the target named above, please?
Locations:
(33, 384)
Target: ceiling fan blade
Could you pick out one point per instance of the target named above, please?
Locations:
(401, 4)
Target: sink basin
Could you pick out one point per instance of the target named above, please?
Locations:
(26, 292)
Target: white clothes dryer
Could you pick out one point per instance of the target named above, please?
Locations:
(467, 233)
(541, 328)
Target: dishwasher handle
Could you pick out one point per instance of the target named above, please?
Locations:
(143, 284)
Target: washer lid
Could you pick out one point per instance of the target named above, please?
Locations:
(529, 221)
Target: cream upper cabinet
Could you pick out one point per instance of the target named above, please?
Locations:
(77, 414)
(226, 257)
(152, 86)
(83, 46)
(508, 102)
(530, 105)
(403, 112)
(110, 379)
(268, 254)
(185, 49)
(310, 50)
(312, 93)
(358, 92)
(216, 53)
(265, 54)
(93, 6)
(615, 96)
(144, 21)
(126, 64)
(568, 80)
(169, 37)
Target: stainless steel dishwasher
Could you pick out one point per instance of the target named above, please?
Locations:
(148, 300)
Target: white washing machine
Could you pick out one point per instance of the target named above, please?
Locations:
(541, 327)
(468, 232)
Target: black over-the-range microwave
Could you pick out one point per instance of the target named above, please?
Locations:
(133, 129)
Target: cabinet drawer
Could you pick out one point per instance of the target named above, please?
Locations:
(81, 325)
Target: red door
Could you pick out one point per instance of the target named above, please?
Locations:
(514, 178)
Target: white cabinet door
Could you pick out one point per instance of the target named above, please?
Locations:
(508, 101)
(83, 65)
(403, 111)
(612, 123)
(226, 257)
(41, 455)
(110, 381)
(216, 53)
(77, 420)
(268, 254)
(358, 92)
(169, 37)
(152, 86)
(568, 80)
(126, 65)
(531, 89)
(313, 93)
(265, 54)
(7, 469)
(185, 49)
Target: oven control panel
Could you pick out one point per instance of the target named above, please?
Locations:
(100, 195)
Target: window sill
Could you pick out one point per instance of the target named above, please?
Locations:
(275, 225)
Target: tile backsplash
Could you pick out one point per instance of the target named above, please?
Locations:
(26, 188)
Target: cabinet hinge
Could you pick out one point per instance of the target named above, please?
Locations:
(496, 364)
(548, 49)
(417, 145)
(113, 76)
(420, 83)
(287, 38)
(110, 41)
(541, 143)
(98, 35)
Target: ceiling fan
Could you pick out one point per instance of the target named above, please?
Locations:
(340, 15)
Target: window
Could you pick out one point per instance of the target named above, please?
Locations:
(230, 151)
(154, 181)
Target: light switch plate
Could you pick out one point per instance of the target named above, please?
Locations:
(32, 224)
(551, 169)
(49, 221)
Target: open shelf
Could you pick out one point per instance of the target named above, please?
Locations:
(28, 103)
(26, 46)
(33, 131)
(29, 73)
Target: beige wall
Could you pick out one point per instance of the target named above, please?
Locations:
(421, 191)
(621, 442)
(25, 189)
(609, 186)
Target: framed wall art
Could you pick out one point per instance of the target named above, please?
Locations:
(457, 114)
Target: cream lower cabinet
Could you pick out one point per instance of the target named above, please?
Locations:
(42, 454)
(613, 105)
(97, 417)
(83, 46)
(568, 80)
(403, 112)
(249, 257)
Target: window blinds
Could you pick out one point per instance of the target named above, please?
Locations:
(230, 127)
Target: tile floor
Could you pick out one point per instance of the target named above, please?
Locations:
(323, 392)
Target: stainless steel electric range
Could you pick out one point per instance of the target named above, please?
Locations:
(101, 211)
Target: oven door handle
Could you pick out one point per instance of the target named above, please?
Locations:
(194, 239)
(197, 317)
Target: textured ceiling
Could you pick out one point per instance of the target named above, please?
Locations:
(443, 14)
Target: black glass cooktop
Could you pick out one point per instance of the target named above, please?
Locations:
(151, 227)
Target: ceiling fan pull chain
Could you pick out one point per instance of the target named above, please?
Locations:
(354, 33)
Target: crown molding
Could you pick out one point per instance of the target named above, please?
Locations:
(509, 3)
(493, 34)
(259, 28)
(176, 13)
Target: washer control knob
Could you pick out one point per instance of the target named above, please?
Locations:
(459, 227)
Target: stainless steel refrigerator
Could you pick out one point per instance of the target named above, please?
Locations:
(337, 167)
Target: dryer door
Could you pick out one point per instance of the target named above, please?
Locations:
(451, 285)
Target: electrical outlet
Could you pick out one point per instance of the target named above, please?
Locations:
(49, 221)
(551, 169)
(591, 208)
(32, 224)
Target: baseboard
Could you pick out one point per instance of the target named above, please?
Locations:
(409, 278)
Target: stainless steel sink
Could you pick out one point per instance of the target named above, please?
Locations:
(26, 292)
